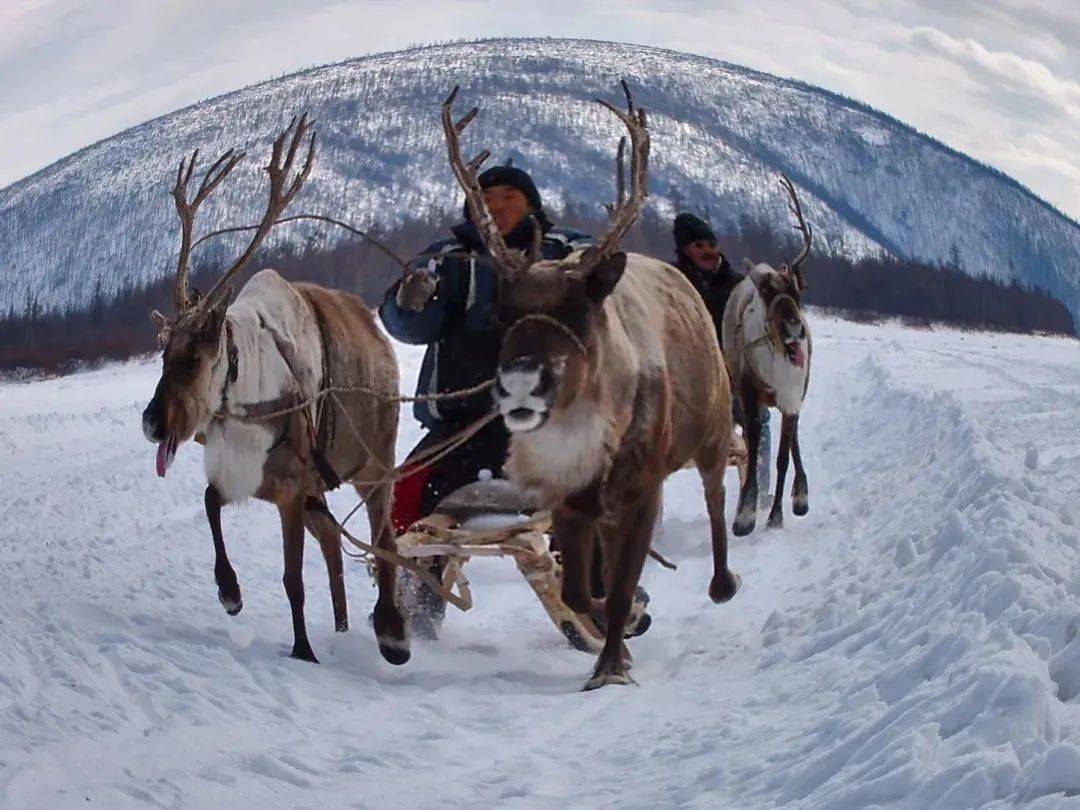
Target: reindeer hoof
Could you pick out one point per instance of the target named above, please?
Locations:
(775, 521)
(232, 604)
(724, 586)
(391, 633)
(342, 626)
(800, 507)
(744, 526)
(303, 653)
(620, 678)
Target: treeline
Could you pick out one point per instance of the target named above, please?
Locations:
(118, 327)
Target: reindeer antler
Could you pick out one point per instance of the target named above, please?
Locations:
(626, 210)
(511, 262)
(802, 226)
(187, 210)
(280, 196)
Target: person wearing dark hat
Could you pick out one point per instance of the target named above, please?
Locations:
(449, 302)
(704, 265)
(701, 261)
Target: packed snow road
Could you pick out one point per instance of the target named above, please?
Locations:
(913, 642)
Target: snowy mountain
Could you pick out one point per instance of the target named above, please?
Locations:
(720, 135)
(913, 643)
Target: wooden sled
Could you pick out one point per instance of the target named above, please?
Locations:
(494, 519)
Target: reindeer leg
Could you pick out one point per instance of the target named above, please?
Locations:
(574, 526)
(746, 515)
(292, 535)
(224, 575)
(800, 503)
(626, 545)
(329, 536)
(776, 515)
(390, 629)
(712, 465)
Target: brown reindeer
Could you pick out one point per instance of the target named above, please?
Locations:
(767, 349)
(609, 380)
(231, 367)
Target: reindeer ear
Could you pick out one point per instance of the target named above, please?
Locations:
(160, 321)
(603, 278)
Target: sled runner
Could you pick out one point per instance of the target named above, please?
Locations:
(495, 519)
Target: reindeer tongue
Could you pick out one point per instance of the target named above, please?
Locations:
(166, 451)
(797, 356)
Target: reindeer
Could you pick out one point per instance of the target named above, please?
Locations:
(609, 379)
(767, 349)
(243, 376)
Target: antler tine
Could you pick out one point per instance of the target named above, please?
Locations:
(187, 222)
(509, 262)
(186, 209)
(626, 210)
(629, 98)
(217, 172)
(279, 196)
(801, 225)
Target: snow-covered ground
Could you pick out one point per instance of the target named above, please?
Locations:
(913, 642)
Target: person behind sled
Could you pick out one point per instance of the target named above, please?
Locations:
(704, 266)
(449, 302)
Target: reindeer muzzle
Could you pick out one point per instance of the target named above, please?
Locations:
(523, 393)
(794, 340)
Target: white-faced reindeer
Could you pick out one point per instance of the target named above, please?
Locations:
(609, 379)
(228, 368)
(767, 349)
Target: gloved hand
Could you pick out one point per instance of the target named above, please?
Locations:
(419, 284)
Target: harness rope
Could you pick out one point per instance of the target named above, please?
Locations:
(540, 317)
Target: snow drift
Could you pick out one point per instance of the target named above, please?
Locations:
(914, 642)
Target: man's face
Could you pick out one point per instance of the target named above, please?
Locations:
(507, 205)
(703, 254)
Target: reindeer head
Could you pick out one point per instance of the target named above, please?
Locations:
(781, 290)
(549, 353)
(551, 308)
(784, 322)
(196, 359)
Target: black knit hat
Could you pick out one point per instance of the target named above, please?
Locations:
(689, 228)
(515, 178)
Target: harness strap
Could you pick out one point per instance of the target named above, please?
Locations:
(744, 350)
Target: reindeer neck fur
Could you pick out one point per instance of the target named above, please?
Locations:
(269, 321)
(565, 454)
(764, 359)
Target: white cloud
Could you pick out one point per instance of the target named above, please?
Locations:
(999, 79)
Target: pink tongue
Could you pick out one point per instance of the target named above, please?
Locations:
(162, 458)
(797, 355)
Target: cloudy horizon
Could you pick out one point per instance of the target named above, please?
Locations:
(998, 81)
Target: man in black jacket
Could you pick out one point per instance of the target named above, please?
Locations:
(714, 278)
(449, 302)
(704, 265)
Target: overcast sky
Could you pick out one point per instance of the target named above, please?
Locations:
(997, 79)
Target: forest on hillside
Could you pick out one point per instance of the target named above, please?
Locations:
(118, 327)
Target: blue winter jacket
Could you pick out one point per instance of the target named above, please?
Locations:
(459, 324)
